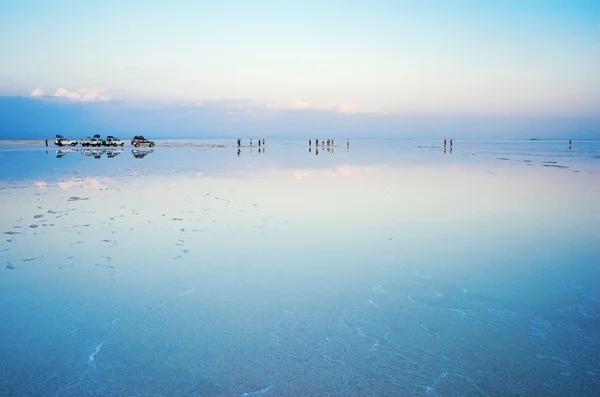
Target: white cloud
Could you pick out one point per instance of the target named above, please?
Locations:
(347, 108)
(300, 104)
(300, 174)
(37, 92)
(83, 95)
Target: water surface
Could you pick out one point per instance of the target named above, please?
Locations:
(382, 268)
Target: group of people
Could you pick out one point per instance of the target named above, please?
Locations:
(330, 142)
(239, 142)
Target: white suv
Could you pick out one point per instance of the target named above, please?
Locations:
(62, 141)
(112, 141)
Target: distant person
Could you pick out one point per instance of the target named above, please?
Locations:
(323, 144)
(332, 142)
(259, 143)
(263, 142)
(46, 143)
(250, 142)
(328, 142)
(239, 143)
(450, 143)
(347, 142)
(444, 143)
(309, 143)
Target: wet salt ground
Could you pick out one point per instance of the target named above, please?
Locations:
(387, 269)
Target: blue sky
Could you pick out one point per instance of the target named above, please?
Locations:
(461, 59)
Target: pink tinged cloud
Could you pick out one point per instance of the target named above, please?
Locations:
(83, 95)
(300, 174)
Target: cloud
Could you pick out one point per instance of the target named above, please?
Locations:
(348, 171)
(300, 104)
(86, 183)
(300, 174)
(83, 95)
(347, 108)
(37, 92)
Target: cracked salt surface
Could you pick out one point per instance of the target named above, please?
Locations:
(456, 281)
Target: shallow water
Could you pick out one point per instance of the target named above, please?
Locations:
(385, 268)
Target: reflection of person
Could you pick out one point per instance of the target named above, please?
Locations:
(309, 150)
(239, 151)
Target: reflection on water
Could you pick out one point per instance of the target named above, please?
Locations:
(141, 153)
(388, 270)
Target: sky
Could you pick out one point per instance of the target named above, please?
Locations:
(389, 61)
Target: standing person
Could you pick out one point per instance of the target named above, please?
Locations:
(309, 142)
(347, 142)
(444, 143)
(259, 144)
(450, 143)
(46, 143)
(250, 142)
(332, 142)
(263, 143)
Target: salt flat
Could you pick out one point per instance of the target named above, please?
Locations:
(382, 268)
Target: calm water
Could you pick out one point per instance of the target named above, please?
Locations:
(391, 268)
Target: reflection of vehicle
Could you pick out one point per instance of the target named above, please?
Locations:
(95, 153)
(139, 140)
(60, 153)
(111, 153)
(62, 141)
(90, 142)
(141, 153)
(112, 141)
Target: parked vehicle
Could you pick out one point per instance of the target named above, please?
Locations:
(88, 141)
(62, 141)
(112, 141)
(139, 140)
(97, 141)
